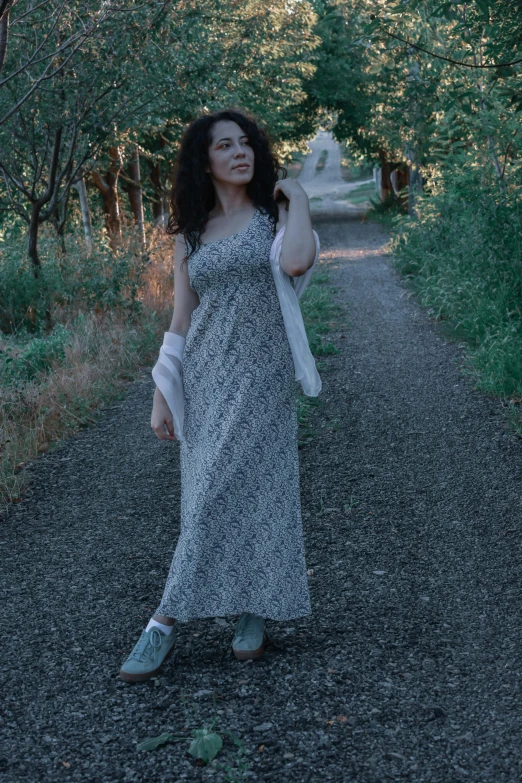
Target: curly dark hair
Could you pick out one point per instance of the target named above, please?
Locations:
(193, 195)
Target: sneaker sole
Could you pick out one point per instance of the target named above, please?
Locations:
(247, 655)
(143, 676)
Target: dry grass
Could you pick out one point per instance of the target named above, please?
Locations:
(105, 353)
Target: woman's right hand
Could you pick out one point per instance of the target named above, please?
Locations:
(161, 417)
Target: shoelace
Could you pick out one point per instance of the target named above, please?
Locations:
(152, 638)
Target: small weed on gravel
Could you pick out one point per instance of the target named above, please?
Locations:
(347, 507)
(204, 747)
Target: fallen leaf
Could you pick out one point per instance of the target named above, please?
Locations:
(330, 722)
(66, 764)
(260, 748)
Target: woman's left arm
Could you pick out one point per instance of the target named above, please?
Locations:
(298, 247)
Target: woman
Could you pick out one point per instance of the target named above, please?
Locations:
(240, 549)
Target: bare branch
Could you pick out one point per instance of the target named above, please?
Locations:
(5, 6)
(29, 12)
(48, 74)
(16, 182)
(45, 77)
(32, 61)
(4, 29)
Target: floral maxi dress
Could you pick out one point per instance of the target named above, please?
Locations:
(240, 547)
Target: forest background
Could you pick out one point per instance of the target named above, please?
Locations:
(94, 97)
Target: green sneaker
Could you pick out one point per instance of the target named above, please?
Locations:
(148, 655)
(249, 641)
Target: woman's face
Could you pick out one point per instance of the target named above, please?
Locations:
(229, 149)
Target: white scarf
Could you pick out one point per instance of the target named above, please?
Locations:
(168, 373)
(305, 369)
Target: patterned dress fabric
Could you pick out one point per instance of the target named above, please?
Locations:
(241, 545)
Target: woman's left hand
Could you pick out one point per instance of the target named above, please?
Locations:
(289, 188)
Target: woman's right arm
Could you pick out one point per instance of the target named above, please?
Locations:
(185, 302)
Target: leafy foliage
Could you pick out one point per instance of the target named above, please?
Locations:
(463, 257)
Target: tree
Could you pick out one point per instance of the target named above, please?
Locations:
(87, 102)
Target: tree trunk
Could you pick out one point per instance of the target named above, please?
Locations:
(32, 239)
(399, 178)
(108, 187)
(377, 178)
(59, 218)
(159, 200)
(135, 192)
(86, 212)
(386, 185)
(37, 205)
(32, 252)
(59, 227)
(4, 30)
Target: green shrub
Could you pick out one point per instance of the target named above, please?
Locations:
(101, 280)
(463, 257)
(25, 360)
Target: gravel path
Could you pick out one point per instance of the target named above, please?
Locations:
(408, 669)
(329, 178)
(326, 188)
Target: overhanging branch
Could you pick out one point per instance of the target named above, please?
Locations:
(448, 59)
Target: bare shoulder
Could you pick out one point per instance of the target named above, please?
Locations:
(283, 215)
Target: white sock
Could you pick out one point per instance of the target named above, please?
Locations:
(167, 629)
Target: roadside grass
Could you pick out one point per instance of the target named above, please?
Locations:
(52, 385)
(461, 258)
(362, 194)
(320, 314)
(388, 212)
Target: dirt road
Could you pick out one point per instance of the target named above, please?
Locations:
(326, 188)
